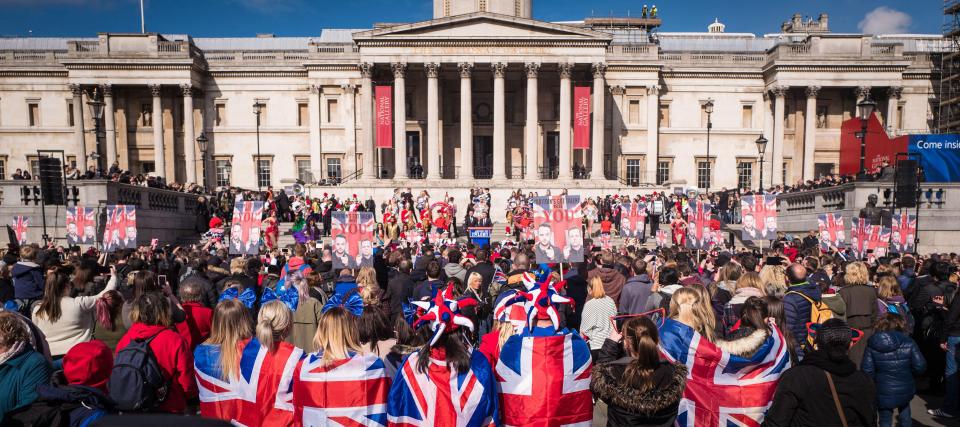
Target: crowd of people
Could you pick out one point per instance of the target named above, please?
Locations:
(436, 331)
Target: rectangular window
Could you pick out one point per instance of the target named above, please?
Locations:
(703, 173)
(747, 117)
(72, 161)
(898, 124)
(664, 115)
(263, 172)
(3, 167)
(663, 172)
(633, 171)
(303, 170)
(146, 115)
(786, 173)
(303, 115)
(70, 119)
(822, 169)
(223, 171)
(148, 167)
(34, 163)
(822, 117)
(33, 110)
(333, 113)
(333, 168)
(745, 175)
(634, 111)
(220, 114)
(789, 116)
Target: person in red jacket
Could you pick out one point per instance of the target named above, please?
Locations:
(195, 329)
(152, 316)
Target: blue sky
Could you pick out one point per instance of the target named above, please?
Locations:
(206, 18)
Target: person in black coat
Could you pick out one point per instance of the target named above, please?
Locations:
(804, 396)
(399, 289)
(484, 268)
(638, 388)
(892, 359)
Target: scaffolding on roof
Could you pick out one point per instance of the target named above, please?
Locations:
(948, 91)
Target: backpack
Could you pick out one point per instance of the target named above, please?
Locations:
(137, 383)
(901, 309)
(819, 312)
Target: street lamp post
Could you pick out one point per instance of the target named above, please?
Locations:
(761, 148)
(708, 108)
(202, 143)
(867, 106)
(96, 111)
(256, 111)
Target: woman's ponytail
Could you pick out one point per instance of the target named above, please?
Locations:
(640, 341)
(273, 324)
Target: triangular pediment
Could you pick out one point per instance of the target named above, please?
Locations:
(483, 25)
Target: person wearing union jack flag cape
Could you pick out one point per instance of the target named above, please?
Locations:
(544, 371)
(444, 383)
(245, 376)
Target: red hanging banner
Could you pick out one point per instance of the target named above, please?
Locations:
(581, 117)
(384, 116)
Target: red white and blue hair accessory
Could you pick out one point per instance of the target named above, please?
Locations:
(350, 300)
(541, 302)
(288, 295)
(247, 297)
(443, 313)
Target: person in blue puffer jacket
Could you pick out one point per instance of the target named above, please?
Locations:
(892, 359)
(797, 303)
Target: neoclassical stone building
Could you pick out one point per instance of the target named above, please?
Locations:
(480, 92)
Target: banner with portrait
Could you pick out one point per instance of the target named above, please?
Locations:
(558, 229)
(759, 217)
(352, 234)
(878, 240)
(19, 225)
(830, 231)
(859, 233)
(120, 228)
(699, 234)
(245, 228)
(903, 233)
(81, 225)
(633, 220)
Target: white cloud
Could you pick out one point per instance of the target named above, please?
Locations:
(884, 20)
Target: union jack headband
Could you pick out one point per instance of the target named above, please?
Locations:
(443, 314)
(541, 303)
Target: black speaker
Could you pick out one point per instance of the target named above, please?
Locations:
(906, 183)
(51, 181)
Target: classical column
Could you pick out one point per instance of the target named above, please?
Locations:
(566, 71)
(399, 119)
(110, 125)
(466, 120)
(530, 157)
(367, 146)
(810, 131)
(653, 131)
(78, 126)
(433, 119)
(779, 92)
(189, 141)
(893, 98)
(616, 128)
(499, 121)
(599, 125)
(350, 124)
(316, 153)
(156, 115)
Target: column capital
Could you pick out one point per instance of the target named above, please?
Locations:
(779, 91)
(812, 91)
(566, 70)
(155, 90)
(399, 69)
(863, 91)
(314, 89)
(466, 69)
(599, 70)
(532, 69)
(432, 69)
(366, 70)
(348, 87)
(107, 90)
(187, 90)
(617, 90)
(499, 69)
(76, 89)
(654, 90)
(894, 92)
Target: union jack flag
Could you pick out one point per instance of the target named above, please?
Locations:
(859, 234)
(723, 389)
(633, 219)
(545, 379)
(699, 235)
(120, 228)
(245, 230)
(345, 392)
(662, 238)
(81, 224)
(904, 233)
(830, 227)
(261, 395)
(441, 396)
(19, 225)
(878, 239)
(561, 214)
(763, 211)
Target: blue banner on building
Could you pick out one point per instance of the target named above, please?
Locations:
(939, 156)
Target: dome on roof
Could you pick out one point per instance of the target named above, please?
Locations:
(716, 26)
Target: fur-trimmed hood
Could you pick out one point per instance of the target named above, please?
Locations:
(746, 346)
(608, 385)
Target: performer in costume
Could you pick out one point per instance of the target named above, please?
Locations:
(271, 233)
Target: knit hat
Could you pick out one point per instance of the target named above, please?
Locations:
(88, 363)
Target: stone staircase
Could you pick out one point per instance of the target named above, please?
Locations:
(286, 236)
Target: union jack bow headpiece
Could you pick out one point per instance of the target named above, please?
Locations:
(350, 300)
(247, 297)
(541, 302)
(443, 313)
(288, 295)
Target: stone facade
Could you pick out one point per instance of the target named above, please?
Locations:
(316, 94)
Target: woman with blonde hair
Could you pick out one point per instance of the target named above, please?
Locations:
(369, 288)
(687, 306)
(338, 371)
(774, 279)
(597, 311)
(861, 305)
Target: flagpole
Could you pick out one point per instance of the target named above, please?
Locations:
(143, 24)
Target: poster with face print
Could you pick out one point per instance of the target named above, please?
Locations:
(245, 229)
(759, 215)
(352, 234)
(120, 228)
(558, 229)
(81, 225)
